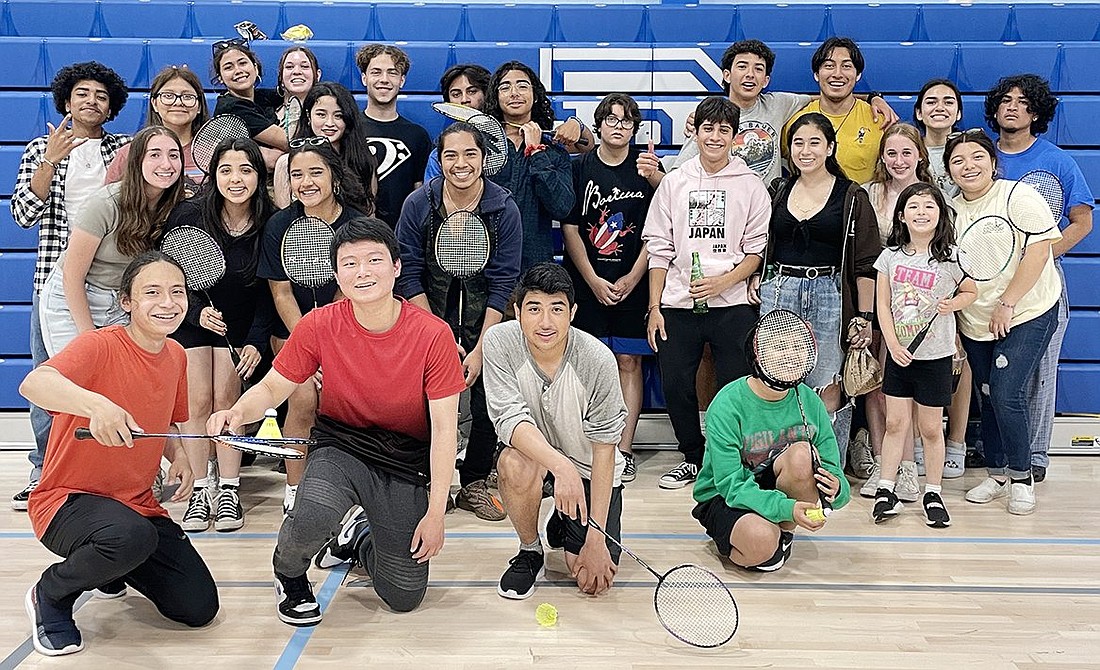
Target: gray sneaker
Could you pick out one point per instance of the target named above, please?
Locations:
(870, 487)
(907, 488)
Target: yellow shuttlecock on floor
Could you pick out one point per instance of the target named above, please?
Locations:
(546, 614)
(270, 427)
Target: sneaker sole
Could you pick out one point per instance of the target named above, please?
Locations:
(194, 527)
(300, 622)
(673, 485)
(228, 526)
(626, 479)
(888, 514)
(984, 501)
(512, 595)
(19, 506)
(470, 508)
(28, 605)
(1018, 512)
(107, 595)
(936, 524)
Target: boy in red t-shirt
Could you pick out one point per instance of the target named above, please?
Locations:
(386, 426)
(93, 505)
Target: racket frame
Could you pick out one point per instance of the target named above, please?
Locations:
(312, 286)
(214, 122)
(86, 434)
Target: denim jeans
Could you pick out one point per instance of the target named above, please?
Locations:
(56, 321)
(818, 302)
(1003, 370)
(1042, 389)
(40, 418)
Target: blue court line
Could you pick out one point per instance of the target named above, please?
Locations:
(27, 648)
(298, 641)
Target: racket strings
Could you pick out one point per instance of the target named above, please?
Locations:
(305, 252)
(1022, 210)
(211, 134)
(785, 347)
(200, 256)
(462, 245)
(695, 606)
(986, 248)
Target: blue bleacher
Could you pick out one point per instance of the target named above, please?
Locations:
(13, 237)
(15, 319)
(12, 372)
(18, 273)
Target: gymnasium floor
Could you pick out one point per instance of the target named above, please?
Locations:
(993, 591)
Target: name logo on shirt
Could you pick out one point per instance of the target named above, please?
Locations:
(707, 217)
(861, 134)
(594, 200)
(755, 144)
(921, 279)
(389, 153)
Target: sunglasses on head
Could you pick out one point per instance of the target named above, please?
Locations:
(222, 45)
(317, 141)
(969, 132)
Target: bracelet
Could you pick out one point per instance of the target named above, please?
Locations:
(52, 164)
(579, 122)
(1002, 303)
(650, 309)
(531, 151)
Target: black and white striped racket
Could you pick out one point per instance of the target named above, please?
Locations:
(691, 602)
(496, 147)
(462, 248)
(203, 264)
(264, 446)
(305, 253)
(212, 133)
(985, 249)
(1025, 211)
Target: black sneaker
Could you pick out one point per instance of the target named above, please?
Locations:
(780, 557)
(230, 514)
(20, 500)
(555, 530)
(1038, 473)
(518, 581)
(115, 589)
(630, 471)
(296, 604)
(344, 548)
(935, 512)
(887, 505)
(679, 476)
(53, 631)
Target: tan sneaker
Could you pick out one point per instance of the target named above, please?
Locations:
(907, 488)
(475, 497)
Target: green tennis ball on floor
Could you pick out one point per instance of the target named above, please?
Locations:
(546, 614)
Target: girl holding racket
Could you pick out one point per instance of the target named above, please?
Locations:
(298, 72)
(821, 253)
(176, 102)
(919, 280)
(232, 212)
(324, 188)
(238, 68)
(434, 277)
(329, 111)
(1007, 328)
(115, 224)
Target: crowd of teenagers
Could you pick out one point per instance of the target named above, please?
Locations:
(543, 360)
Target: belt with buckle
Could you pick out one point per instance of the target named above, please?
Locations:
(808, 272)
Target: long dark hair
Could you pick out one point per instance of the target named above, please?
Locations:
(822, 123)
(353, 143)
(345, 186)
(140, 221)
(541, 111)
(212, 201)
(943, 240)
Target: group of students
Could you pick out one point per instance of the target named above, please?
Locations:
(654, 262)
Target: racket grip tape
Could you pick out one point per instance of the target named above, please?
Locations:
(83, 434)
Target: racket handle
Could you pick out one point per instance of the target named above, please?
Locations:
(920, 336)
(83, 434)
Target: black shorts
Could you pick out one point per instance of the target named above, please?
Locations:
(718, 518)
(576, 534)
(928, 383)
(193, 337)
(614, 324)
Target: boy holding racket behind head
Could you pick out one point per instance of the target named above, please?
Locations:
(385, 426)
(554, 397)
(758, 482)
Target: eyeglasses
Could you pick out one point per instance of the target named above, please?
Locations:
(520, 86)
(222, 45)
(969, 132)
(318, 141)
(616, 122)
(171, 98)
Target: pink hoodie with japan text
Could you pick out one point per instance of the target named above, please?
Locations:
(724, 216)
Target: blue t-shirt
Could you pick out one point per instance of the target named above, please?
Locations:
(1042, 155)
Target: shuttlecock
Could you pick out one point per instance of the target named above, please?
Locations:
(546, 614)
(270, 427)
(298, 33)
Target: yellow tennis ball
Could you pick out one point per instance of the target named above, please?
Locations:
(546, 614)
(815, 514)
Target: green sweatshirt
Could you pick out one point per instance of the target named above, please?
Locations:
(743, 428)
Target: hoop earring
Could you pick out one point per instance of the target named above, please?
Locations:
(336, 189)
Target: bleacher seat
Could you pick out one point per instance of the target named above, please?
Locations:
(1081, 336)
(14, 326)
(12, 372)
(12, 236)
(1081, 274)
(17, 269)
(1078, 388)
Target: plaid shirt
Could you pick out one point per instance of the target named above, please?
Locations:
(28, 209)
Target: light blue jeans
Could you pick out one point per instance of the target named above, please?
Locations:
(40, 418)
(58, 327)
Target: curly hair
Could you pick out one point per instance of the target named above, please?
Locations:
(755, 47)
(1040, 101)
(541, 111)
(67, 78)
(369, 52)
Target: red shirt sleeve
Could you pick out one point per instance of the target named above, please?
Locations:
(301, 356)
(443, 373)
(181, 412)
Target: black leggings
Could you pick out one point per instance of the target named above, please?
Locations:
(103, 541)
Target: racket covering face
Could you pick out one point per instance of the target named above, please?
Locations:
(198, 254)
(695, 606)
(462, 245)
(1023, 208)
(305, 252)
(496, 147)
(785, 347)
(292, 113)
(212, 133)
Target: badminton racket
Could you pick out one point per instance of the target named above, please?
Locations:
(305, 253)
(1025, 211)
(212, 133)
(691, 602)
(253, 445)
(496, 147)
(203, 265)
(984, 250)
(292, 112)
(462, 248)
(784, 348)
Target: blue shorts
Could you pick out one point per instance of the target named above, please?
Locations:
(818, 302)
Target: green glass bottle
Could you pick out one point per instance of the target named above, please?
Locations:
(697, 273)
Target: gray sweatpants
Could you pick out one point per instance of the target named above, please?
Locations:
(333, 483)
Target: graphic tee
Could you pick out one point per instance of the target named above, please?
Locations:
(917, 284)
(400, 148)
(857, 139)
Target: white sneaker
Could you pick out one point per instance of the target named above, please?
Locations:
(918, 455)
(954, 464)
(290, 493)
(989, 490)
(907, 488)
(870, 487)
(1021, 499)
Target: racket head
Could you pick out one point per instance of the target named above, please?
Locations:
(261, 448)
(986, 247)
(199, 255)
(1024, 210)
(496, 143)
(462, 244)
(305, 252)
(784, 349)
(292, 112)
(455, 111)
(696, 607)
(212, 133)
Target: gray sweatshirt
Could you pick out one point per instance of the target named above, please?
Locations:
(582, 406)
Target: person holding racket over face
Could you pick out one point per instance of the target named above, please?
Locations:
(919, 288)
(94, 506)
(555, 401)
(325, 189)
(606, 256)
(298, 73)
(765, 434)
(464, 84)
(238, 312)
(1020, 108)
(1008, 328)
(378, 449)
(485, 252)
(238, 68)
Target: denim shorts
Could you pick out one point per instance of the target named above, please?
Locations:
(818, 302)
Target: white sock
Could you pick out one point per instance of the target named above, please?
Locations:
(289, 492)
(202, 483)
(534, 546)
(887, 484)
(933, 488)
(226, 481)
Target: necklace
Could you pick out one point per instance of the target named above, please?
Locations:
(451, 206)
